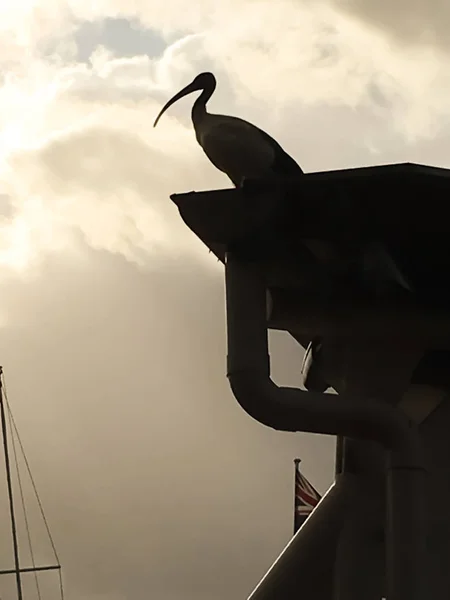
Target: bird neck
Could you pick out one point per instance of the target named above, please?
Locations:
(199, 109)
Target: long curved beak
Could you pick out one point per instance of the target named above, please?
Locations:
(192, 87)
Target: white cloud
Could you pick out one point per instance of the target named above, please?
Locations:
(77, 147)
(80, 153)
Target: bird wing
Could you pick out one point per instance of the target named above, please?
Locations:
(284, 164)
(235, 146)
(225, 138)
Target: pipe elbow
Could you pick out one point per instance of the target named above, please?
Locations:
(255, 392)
(289, 409)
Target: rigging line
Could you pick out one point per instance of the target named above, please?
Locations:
(22, 497)
(27, 464)
(61, 586)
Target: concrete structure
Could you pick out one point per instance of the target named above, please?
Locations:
(383, 529)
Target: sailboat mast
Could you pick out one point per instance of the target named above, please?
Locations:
(10, 491)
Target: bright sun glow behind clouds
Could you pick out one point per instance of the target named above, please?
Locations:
(79, 156)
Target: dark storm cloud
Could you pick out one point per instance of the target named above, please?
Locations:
(156, 484)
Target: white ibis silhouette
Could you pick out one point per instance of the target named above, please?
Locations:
(234, 146)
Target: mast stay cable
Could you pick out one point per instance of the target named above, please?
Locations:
(15, 436)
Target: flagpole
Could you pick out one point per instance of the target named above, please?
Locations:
(296, 464)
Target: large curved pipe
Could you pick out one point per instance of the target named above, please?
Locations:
(290, 409)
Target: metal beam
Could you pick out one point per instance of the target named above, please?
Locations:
(30, 569)
(306, 565)
(289, 310)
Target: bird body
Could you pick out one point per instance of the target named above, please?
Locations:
(238, 148)
(234, 146)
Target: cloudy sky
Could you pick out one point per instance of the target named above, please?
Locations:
(155, 483)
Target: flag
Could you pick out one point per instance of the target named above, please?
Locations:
(305, 499)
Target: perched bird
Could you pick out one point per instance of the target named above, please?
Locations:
(233, 145)
(243, 151)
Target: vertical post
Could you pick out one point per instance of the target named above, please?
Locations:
(406, 555)
(10, 491)
(339, 456)
(296, 523)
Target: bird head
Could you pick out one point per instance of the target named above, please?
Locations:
(205, 81)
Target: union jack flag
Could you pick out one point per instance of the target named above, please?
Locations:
(306, 498)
